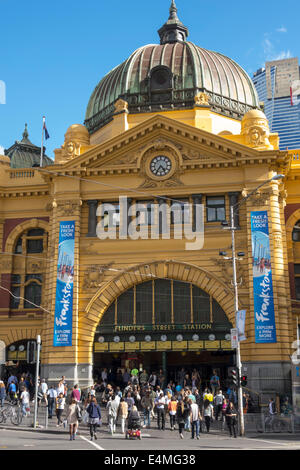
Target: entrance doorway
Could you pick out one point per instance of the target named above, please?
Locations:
(170, 364)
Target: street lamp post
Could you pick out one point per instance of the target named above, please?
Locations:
(232, 228)
(38, 341)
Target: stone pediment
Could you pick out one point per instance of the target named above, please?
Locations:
(189, 147)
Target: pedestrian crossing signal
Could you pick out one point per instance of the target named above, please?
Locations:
(235, 377)
(244, 380)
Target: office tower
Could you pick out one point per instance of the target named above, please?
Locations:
(276, 86)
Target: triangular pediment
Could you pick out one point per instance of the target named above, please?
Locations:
(196, 147)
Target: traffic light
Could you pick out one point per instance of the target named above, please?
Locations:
(235, 377)
(244, 380)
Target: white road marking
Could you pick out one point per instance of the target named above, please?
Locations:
(92, 442)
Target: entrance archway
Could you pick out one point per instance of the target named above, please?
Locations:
(130, 283)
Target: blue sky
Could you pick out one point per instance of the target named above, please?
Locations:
(54, 53)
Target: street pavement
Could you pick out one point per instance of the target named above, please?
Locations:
(53, 438)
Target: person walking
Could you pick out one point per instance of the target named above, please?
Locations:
(160, 403)
(218, 402)
(94, 416)
(76, 393)
(2, 393)
(112, 411)
(195, 417)
(52, 395)
(231, 419)
(208, 413)
(72, 418)
(182, 413)
(147, 405)
(60, 402)
(12, 391)
(214, 382)
(172, 408)
(25, 401)
(44, 391)
(123, 413)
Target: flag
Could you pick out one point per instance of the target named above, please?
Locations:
(45, 129)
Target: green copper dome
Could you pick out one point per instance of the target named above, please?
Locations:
(24, 154)
(169, 76)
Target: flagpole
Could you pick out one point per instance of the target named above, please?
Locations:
(42, 147)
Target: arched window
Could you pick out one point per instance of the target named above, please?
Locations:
(296, 232)
(161, 84)
(27, 270)
(164, 302)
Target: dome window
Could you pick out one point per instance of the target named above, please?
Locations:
(161, 84)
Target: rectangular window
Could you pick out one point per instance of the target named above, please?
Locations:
(15, 290)
(35, 246)
(144, 303)
(145, 213)
(215, 208)
(180, 212)
(297, 287)
(112, 217)
(163, 303)
(33, 291)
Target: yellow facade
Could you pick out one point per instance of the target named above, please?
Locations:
(204, 163)
(210, 153)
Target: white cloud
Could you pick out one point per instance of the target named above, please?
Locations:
(271, 52)
(283, 55)
(283, 29)
(1, 150)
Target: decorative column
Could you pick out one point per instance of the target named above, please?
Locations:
(92, 221)
(197, 199)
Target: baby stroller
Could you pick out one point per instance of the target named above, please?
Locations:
(134, 426)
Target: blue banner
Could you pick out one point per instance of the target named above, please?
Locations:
(64, 286)
(265, 328)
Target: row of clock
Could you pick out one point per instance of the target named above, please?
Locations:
(148, 338)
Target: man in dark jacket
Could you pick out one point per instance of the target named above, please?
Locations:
(94, 418)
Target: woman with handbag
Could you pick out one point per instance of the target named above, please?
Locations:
(94, 417)
(73, 418)
(231, 419)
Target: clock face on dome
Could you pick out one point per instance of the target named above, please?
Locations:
(160, 165)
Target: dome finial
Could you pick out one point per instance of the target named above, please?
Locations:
(173, 11)
(25, 135)
(173, 30)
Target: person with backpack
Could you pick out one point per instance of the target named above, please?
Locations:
(94, 416)
(218, 402)
(208, 413)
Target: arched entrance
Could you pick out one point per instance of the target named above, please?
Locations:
(163, 325)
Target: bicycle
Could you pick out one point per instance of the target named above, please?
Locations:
(12, 412)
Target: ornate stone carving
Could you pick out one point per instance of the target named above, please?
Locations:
(76, 137)
(121, 106)
(94, 276)
(225, 267)
(202, 99)
(5, 265)
(67, 208)
(255, 129)
(168, 149)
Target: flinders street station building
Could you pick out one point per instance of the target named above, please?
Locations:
(172, 129)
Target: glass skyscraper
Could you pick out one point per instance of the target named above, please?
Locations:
(273, 84)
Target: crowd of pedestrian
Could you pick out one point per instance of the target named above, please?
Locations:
(181, 405)
(188, 404)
